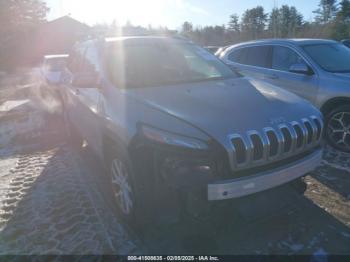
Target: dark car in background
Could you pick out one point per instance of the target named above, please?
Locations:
(346, 42)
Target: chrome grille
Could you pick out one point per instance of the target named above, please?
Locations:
(254, 147)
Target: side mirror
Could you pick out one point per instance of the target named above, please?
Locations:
(86, 80)
(300, 69)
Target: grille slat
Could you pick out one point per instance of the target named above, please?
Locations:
(287, 139)
(300, 136)
(266, 144)
(239, 150)
(319, 127)
(309, 130)
(274, 143)
(314, 131)
(281, 142)
(258, 147)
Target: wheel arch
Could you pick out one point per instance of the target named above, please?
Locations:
(113, 142)
(333, 103)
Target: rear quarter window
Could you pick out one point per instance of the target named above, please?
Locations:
(259, 56)
(238, 56)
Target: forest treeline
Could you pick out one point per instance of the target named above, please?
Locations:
(331, 20)
(20, 18)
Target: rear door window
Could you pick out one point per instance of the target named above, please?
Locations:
(238, 56)
(284, 57)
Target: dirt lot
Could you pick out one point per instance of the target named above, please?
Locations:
(54, 199)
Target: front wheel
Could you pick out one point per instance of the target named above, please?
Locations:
(130, 202)
(338, 128)
(123, 191)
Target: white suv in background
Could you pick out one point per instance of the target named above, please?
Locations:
(315, 69)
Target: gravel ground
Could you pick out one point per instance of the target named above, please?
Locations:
(54, 199)
(50, 202)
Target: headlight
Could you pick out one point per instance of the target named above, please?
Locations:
(181, 168)
(168, 138)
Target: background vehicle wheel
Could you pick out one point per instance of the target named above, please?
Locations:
(337, 131)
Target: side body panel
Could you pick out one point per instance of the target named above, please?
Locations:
(305, 86)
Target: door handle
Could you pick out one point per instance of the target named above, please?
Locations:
(273, 76)
(77, 92)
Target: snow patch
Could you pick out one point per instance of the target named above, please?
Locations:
(22, 125)
(347, 235)
(337, 166)
(6, 165)
(327, 177)
(295, 247)
(319, 256)
(11, 104)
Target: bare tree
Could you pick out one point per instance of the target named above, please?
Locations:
(17, 18)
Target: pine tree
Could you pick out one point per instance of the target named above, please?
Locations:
(233, 24)
(285, 21)
(326, 11)
(342, 21)
(254, 22)
(274, 22)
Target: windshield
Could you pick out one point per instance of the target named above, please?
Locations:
(54, 65)
(333, 58)
(162, 63)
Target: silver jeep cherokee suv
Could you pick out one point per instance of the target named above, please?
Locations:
(171, 121)
(315, 69)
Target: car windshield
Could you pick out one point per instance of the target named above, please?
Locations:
(54, 65)
(333, 58)
(162, 63)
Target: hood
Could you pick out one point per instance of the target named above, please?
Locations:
(220, 108)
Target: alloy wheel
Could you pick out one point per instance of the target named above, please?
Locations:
(121, 186)
(338, 130)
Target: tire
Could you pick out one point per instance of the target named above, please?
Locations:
(337, 128)
(300, 185)
(129, 201)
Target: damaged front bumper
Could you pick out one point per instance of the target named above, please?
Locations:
(244, 186)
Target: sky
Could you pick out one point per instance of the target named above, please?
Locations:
(170, 13)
